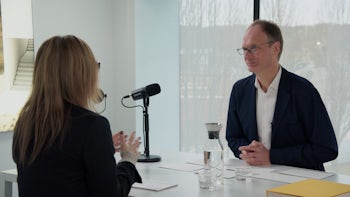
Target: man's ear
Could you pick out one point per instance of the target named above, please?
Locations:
(277, 47)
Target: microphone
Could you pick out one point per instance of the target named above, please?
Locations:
(144, 92)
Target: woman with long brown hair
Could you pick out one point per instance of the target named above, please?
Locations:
(61, 147)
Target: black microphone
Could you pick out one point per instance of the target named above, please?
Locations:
(144, 92)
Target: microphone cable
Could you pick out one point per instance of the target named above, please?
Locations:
(143, 109)
(102, 96)
(104, 108)
(134, 106)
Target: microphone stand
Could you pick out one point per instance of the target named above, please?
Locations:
(146, 157)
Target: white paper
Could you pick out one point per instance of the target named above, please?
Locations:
(255, 170)
(278, 177)
(196, 162)
(307, 173)
(153, 185)
(227, 161)
(181, 166)
(228, 174)
(232, 161)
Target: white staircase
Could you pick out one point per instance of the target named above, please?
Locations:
(25, 68)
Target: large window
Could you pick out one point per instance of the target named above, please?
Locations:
(210, 32)
(316, 47)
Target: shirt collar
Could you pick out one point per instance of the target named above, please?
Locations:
(276, 80)
(274, 84)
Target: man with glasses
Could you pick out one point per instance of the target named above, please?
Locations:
(275, 116)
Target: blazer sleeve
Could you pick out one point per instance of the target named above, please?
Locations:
(241, 119)
(104, 176)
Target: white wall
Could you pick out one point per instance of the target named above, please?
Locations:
(104, 25)
(13, 50)
(16, 18)
(16, 28)
(113, 29)
(157, 61)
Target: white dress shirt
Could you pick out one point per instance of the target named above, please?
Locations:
(265, 107)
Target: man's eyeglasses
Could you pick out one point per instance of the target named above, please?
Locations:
(252, 49)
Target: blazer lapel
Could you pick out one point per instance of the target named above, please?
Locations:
(251, 108)
(283, 98)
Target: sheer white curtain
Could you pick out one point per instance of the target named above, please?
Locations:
(210, 33)
(317, 46)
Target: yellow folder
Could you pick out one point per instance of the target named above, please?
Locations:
(310, 188)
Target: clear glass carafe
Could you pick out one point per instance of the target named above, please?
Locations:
(213, 152)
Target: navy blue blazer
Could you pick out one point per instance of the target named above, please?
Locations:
(302, 133)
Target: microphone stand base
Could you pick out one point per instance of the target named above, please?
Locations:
(149, 158)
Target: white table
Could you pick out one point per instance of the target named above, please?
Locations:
(187, 182)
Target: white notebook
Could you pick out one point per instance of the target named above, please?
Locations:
(307, 173)
(153, 185)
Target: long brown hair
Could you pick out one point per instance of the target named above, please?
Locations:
(65, 73)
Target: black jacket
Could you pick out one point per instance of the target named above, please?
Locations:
(84, 165)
